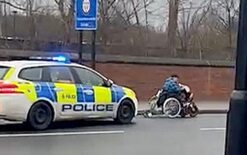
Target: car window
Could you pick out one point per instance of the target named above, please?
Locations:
(88, 77)
(3, 71)
(31, 74)
(61, 75)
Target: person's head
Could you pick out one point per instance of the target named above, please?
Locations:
(175, 77)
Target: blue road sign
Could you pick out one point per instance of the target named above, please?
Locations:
(86, 14)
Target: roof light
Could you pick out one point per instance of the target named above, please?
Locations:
(59, 58)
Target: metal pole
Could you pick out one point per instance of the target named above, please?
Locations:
(236, 134)
(1, 19)
(14, 26)
(5, 19)
(93, 54)
(80, 46)
(14, 22)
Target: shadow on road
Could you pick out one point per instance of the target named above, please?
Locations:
(57, 126)
(166, 117)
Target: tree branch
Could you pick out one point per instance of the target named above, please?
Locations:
(111, 4)
(12, 5)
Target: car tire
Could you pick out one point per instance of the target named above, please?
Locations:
(40, 116)
(125, 113)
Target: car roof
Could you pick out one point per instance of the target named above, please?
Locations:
(20, 64)
(27, 63)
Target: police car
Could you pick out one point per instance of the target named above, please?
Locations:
(40, 92)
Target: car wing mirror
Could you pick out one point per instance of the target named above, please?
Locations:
(109, 83)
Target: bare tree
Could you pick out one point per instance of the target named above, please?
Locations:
(126, 11)
(3, 4)
(172, 26)
(190, 21)
(135, 11)
(30, 8)
(227, 12)
(66, 13)
(12, 4)
(106, 8)
(1, 19)
(5, 18)
(147, 12)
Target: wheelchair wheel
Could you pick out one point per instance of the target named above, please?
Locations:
(171, 108)
(153, 104)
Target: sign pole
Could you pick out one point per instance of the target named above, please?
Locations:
(86, 20)
(236, 134)
(80, 46)
(93, 53)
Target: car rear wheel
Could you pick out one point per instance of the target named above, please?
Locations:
(126, 112)
(40, 116)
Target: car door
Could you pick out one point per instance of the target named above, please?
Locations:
(63, 84)
(51, 83)
(92, 93)
(37, 87)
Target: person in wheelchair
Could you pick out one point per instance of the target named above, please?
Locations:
(171, 88)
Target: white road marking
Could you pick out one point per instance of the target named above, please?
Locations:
(212, 129)
(61, 134)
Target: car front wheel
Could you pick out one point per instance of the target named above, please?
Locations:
(126, 112)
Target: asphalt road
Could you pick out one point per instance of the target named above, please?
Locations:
(203, 135)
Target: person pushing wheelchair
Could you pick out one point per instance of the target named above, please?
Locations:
(172, 87)
(174, 99)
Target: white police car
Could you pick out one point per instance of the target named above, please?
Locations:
(40, 92)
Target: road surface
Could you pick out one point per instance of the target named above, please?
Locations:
(203, 135)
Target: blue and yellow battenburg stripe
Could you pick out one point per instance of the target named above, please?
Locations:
(44, 90)
(72, 93)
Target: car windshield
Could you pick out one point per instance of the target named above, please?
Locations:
(3, 71)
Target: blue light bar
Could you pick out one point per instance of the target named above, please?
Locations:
(59, 58)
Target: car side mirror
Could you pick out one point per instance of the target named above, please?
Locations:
(109, 83)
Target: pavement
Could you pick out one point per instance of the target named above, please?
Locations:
(202, 135)
(205, 107)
